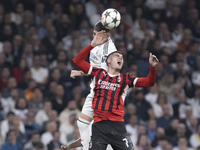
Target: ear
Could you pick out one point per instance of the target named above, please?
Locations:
(109, 60)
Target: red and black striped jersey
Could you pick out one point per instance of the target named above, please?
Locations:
(109, 94)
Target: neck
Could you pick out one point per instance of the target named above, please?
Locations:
(113, 71)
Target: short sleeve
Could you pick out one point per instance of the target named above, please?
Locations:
(93, 70)
(131, 80)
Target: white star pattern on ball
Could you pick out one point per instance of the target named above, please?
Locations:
(110, 18)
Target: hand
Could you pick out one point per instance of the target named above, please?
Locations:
(75, 73)
(64, 147)
(100, 38)
(153, 60)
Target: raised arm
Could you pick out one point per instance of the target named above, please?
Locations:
(79, 60)
(151, 78)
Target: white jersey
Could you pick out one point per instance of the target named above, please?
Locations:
(99, 54)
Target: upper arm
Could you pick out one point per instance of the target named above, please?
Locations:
(131, 80)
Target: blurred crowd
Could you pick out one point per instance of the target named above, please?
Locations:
(40, 103)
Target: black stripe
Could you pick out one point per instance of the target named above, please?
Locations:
(99, 96)
(121, 90)
(106, 94)
(112, 97)
(95, 70)
(131, 79)
(83, 122)
(97, 78)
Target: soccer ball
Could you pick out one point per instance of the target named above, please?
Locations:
(110, 18)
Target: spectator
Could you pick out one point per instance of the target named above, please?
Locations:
(180, 106)
(31, 126)
(8, 124)
(132, 127)
(64, 115)
(38, 47)
(171, 131)
(142, 143)
(53, 116)
(28, 54)
(12, 83)
(39, 146)
(43, 115)
(24, 83)
(194, 142)
(48, 135)
(39, 74)
(55, 143)
(159, 133)
(18, 72)
(143, 108)
(60, 101)
(32, 142)
(39, 15)
(181, 131)
(182, 144)
(152, 126)
(27, 19)
(130, 110)
(16, 17)
(11, 142)
(152, 96)
(10, 102)
(21, 137)
(50, 41)
(36, 103)
(158, 106)
(172, 97)
(195, 107)
(68, 127)
(162, 143)
(30, 89)
(196, 74)
(21, 109)
(165, 121)
(186, 41)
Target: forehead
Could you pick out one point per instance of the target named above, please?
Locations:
(117, 54)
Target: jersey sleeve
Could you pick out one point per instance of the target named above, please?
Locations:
(93, 71)
(143, 82)
(131, 80)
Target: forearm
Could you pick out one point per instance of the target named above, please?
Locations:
(79, 60)
(75, 144)
(149, 80)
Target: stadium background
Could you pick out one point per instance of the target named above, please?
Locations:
(40, 102)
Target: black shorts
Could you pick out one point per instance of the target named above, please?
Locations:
(110, 132)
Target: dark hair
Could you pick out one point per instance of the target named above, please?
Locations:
(39, 145)
(111, 54)
(140, 136)
(99, 27)
(17, 103)
(8, 133)
(10, 113)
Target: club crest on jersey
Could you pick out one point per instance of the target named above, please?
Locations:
(97, 51)
(118, 79)
(90, 144)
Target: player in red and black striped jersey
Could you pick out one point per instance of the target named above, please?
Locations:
(109, 94)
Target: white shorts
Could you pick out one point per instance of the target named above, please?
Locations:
(87, 110)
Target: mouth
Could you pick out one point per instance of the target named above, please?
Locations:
(119, 62)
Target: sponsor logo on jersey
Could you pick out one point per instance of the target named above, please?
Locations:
(108, 85)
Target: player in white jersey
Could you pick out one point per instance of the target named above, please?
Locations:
(98, 56)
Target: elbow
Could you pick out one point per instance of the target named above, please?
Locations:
(151, 83)
(75, 61)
